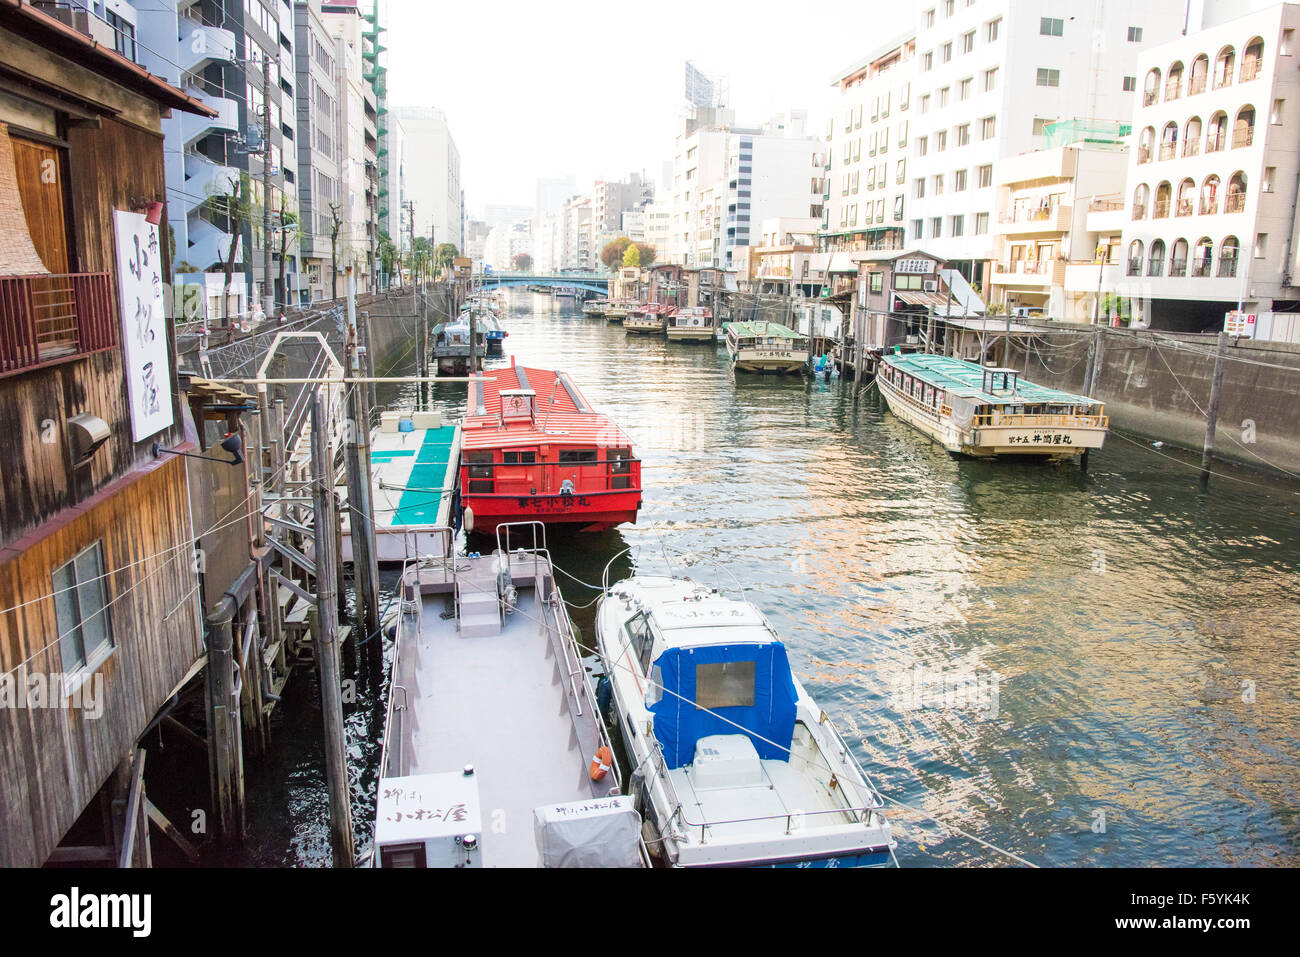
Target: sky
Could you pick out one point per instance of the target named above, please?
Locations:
(595, 89)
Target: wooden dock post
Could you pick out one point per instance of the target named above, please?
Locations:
(327, 646)
(1086, 385)
(1212, 412)
(223, 713)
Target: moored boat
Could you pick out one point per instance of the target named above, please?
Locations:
(451, 346)
(645, 317)
(594, 308)
(758, 346)
(494, 752)
(534, 448)
(737, 765)
(690, 324)
(616, 310)
(413, 457)
(985, 411)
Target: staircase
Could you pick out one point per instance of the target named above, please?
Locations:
(478, 602)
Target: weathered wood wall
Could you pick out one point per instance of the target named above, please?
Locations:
(53, 760)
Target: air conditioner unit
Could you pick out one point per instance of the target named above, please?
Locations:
(931, 285)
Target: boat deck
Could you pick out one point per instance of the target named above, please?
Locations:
(966, 379)
(501, 697)
(414, 475)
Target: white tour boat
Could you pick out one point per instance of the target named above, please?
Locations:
(690, 324)
(645, 317)
(735, 763)
(985, 411)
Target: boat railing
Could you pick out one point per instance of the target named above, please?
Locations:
(503, 541)
(394, 718)
(1041, 421)
(664, 549)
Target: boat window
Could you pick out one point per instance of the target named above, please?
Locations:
(577, 456)
(520, 458)
(727, 684)
(620, 468)
(655, 688)
(480, 464)
(641, 641)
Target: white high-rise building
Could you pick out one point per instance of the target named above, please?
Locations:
(1210, 218)
(990, 78)
(432, 174)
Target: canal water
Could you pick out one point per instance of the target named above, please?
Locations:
(1098, 670)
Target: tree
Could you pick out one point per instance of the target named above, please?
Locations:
(235, 208)
(420, 257)
(632, 255)
(446, 253)
(523, 262)
(612, 254)
(288, 225)
(647, 255)
(388, 256)
(334, 250)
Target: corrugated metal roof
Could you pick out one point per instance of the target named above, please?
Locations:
(772, 329)
(966, 379)
(563, 416)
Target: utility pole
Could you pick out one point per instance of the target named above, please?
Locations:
(327, 643)
(1212, 413)
(268, 290)
(360, 507)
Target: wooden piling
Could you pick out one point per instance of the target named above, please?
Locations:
(1212, 412)
(327, 647)
(226, 771)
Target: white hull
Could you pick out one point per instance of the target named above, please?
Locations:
(690, 334)
(781, 361)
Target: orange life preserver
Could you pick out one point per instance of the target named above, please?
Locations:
(600, 764)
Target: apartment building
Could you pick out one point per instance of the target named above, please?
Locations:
(780, 262)
(1211, 184)
(319, 190)
(433, 176)
(991, 77)
(864, 183)
(1055, 253)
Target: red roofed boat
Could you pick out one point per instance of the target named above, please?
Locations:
(533, 449)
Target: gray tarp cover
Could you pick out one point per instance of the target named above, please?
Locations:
(601, 832)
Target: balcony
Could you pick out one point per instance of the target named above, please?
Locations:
(1185, 208)
(52, 317)
(194, 128)
(1235, 203)
(1201, 268)
(1156, 266)
(1105, 215)
(1177, 268)
(1197, 85)
(1161, 210)
(1227, 267)
(1168, 151)
(1150, 96)
(1243, 137)
(1029, 272)
(1144, 154)
(208, 245)
(204, 178)
(1054, 219)
(1250, 68)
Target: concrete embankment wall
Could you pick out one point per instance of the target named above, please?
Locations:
(395, 322)
(1157, 384)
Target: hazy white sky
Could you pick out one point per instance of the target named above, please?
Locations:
(595, 88)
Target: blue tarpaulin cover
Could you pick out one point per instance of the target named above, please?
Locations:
(679, 724)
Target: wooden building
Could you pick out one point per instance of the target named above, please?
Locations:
(100, 624)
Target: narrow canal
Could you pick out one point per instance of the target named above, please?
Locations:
(1083, 671)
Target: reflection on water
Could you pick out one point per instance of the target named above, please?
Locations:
(1096, 671)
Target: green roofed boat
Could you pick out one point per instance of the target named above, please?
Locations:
(985, 411)
(765, 347)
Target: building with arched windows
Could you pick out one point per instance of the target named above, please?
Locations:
(1212, 176)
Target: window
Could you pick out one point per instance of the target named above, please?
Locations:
(479, 465)
(947, 7)
(963, 134)
(958, 225)
(1275, 117)
(519, 458)
(988, 127)
(1048, 77)
(990, 79)
(991, 30)
(1134, 34)
(80, 611)
(917, 225)
(986, 176)
(936, 227)
(929, 19)
(927, 61)
(943, 97)
(964, 88)
(922, 145)
(981, 224)
(1041, 123)
(938, 184)
(641, 641)
(727, 684)
(925, 104)
(947, 51)
(940, 141)
(876, 281)
(968, 42)
(1261, 245)
(1051, 26)
(918, 187)
(578, 456)
(959, 181)
(1130, 84)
